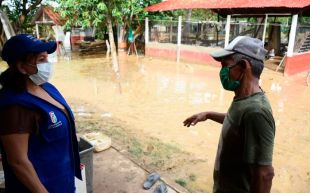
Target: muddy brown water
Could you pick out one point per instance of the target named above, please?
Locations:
(154, 96)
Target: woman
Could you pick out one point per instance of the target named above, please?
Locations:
(37, 132)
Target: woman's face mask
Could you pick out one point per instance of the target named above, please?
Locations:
(227, 83)
(44, 73)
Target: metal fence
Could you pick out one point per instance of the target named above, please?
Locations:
(208, 34)
(212, 34)
(193, 33)
(163, 31)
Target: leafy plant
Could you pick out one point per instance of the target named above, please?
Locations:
(20, 13)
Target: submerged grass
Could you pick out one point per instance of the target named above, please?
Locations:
(151, 152)
(148, 152)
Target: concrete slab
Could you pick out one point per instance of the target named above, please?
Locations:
(114, 173)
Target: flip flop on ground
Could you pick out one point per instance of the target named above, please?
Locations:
(151, 180)
(162, 188)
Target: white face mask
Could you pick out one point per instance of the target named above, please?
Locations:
(43, 75)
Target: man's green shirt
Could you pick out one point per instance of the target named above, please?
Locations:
(247, 138)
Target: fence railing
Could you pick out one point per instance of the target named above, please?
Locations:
(212, 34)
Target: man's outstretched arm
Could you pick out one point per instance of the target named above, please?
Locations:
(214, 116)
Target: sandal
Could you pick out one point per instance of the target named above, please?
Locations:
(162, 188)
(151, 180)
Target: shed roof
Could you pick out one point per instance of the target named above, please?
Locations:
(50, 16)
(225, 7)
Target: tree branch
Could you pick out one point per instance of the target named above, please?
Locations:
(33, 6)
(24, 6)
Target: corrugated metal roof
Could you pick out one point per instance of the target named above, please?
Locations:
(227, 4)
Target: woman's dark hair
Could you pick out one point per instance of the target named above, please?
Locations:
(12, 78)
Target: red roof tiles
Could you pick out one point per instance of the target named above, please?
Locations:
(227, 4)
(52, 15)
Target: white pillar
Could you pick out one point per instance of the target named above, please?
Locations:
(265, 28)
(147, 30)
(37, 30)
(179, 38)
(119, 28)
(291, 41)
(227, 30)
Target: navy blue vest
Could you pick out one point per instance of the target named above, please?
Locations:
(53, 151)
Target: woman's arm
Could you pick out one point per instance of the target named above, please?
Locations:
(16, 148)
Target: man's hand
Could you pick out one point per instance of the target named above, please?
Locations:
(194, 119)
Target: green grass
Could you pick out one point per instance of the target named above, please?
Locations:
(154, 153)
(149, 152)
(135, 148)
(181, 182)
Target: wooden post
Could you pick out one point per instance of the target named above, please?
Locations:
(37, 30)
(265, 28)
(179, 38)
(227, 30)
(291, 41)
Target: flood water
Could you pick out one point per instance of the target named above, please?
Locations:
(154, 96)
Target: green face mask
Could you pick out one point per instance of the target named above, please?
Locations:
(228, 84)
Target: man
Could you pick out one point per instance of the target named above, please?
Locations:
(244, 157)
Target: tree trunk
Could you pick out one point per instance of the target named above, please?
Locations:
(112, 45)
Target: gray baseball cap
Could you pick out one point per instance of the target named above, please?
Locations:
(248, 46)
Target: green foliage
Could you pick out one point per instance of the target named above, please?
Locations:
(203, 15)
(305, 20)
(82, 13)
(129, 13)
(20, 13)
(87, 13)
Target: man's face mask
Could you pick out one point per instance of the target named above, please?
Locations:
(44, 73)
(227, 83)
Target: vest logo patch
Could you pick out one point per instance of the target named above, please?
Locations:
(53, 117)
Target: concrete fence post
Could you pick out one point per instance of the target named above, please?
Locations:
(291, 41)
(146, 30)
(227, 30)
(179, 38)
